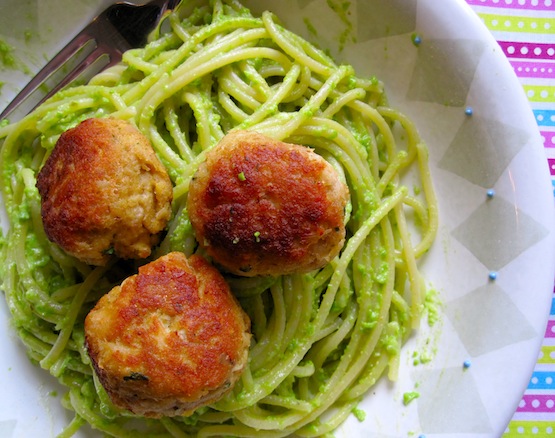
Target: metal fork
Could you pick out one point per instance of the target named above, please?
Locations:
(99, 45)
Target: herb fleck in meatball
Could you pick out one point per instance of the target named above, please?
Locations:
(265, 207)
(103, 191)
(170, 339)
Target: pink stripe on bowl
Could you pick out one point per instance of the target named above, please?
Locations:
(515, 49)
(531, 69)
(536, 5)
(550, 330)
(537, 403)
(548, 139)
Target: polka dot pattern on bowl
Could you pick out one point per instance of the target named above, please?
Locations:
(546, 5)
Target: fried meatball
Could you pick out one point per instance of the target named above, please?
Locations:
(103, 191)
(170, 339)
(265, 207)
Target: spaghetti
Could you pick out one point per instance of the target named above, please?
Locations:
(321, 340)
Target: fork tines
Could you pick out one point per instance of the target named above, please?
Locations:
(98, 46)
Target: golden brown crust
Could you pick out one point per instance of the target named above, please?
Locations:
(264, 207)
(104, 188)
(169, 339)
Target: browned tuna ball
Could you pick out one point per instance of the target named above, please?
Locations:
(170, 339)
(264, 207)
(103, 191)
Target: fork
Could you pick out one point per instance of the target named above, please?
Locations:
(99, 45)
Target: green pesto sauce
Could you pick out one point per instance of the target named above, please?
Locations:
(422, 357)
(432, 305)
(182, 229)
(382, 273)
(359, 414)
(310, 27)
(343, 10)
(371, 319)
(7, 59)
(391, 340)
(409, 397)
(339, 303)
(28, 35)
(21, 212)
(34, 252)
(292, 346)
(428, 350)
